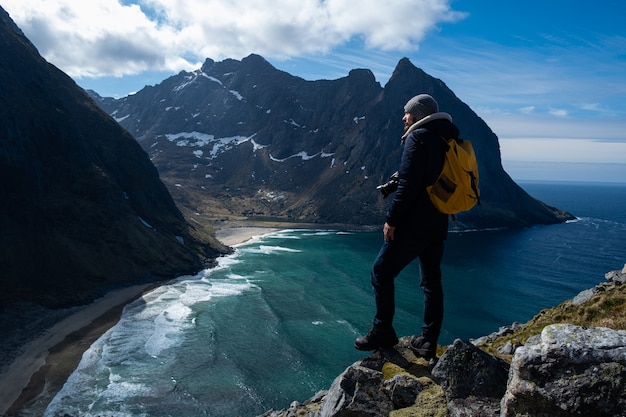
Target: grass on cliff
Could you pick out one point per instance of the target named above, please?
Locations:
(604, 309)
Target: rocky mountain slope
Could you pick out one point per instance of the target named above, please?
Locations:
(243, 139)
(82, 207)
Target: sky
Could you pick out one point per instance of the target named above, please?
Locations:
(548, 76)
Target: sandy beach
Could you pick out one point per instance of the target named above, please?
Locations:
(36, 375)
(232, 236)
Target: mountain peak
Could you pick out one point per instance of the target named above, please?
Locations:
(254, 59)
(364, 75)
(405, 72)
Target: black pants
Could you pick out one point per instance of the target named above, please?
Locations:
(392, 258)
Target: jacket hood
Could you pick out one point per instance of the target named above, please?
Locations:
(439, 123)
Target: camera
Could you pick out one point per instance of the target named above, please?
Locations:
(390, 186)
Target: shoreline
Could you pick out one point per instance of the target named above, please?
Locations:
(36, 375)
(52, 356)
(232, 236)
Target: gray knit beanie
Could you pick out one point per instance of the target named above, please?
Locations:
(421, 106)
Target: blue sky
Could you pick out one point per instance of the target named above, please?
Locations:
(549, 77)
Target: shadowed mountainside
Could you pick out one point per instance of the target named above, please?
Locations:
(82, 207)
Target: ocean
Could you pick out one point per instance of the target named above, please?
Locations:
(276, 321)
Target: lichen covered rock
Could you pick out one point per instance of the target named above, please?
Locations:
(571, 371)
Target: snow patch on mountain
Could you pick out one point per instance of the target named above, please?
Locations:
(304, 155)
(201, 140)
(120, 119)
(236, 94)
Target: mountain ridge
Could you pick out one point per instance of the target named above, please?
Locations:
(242, 139)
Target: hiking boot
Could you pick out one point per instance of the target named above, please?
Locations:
(377, 338)
(423, 347)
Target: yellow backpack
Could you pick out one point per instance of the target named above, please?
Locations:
(456, 188)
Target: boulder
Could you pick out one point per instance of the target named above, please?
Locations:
(473, 380)
(356, 392)
(618, 277)
(569, 371)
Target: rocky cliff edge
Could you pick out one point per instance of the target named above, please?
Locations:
(564, 362)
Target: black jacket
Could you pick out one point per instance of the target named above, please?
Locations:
(411, 211)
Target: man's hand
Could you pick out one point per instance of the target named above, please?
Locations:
(388, 232)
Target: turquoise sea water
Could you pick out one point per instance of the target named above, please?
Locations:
(276, 321)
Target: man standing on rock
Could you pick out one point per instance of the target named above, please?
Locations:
(413, 228)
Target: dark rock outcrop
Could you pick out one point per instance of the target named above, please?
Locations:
(82, 208)
(243, 138)
(376, 386)
(568, 371)
(471, 377)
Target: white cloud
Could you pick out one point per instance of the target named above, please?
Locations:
(107, 37)
(563, 150)
(528, 140)
(558, 112)
(565, 171)
(94, 38)
(509, 126)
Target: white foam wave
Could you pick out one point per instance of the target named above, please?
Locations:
(167, 329)
(223, 262)
(283, 234)
(320, 233)
(121, 389)
(259, 238)
(225, 289)
(268, 250)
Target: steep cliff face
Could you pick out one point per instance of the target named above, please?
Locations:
(243, 138)
(82, 206)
